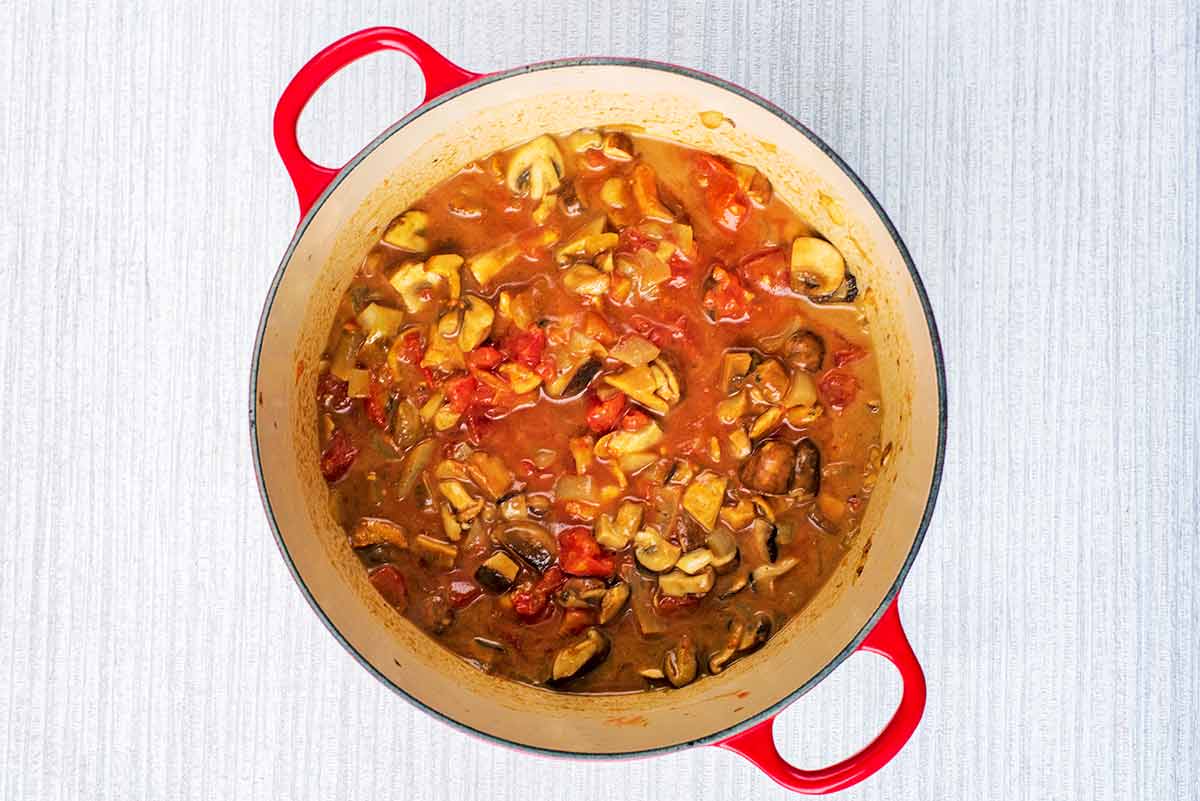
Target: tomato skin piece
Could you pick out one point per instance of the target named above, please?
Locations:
(389, 582)
(460, 392)
(848, 355)
(463, 592)
(526, 347)
(413, 348)
(602, 416)
(838, 389)
(333, 394)
(375, 403)
(634, 420)
(579, 554)
(768, 269)
(532, 598)
(727, 203)
(338, 456)
(670, 604)
(575, 621)
(484, 357)
(727, 299)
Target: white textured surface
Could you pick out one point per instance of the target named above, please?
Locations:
(1041, 161)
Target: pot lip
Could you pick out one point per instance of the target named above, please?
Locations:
(935, 342)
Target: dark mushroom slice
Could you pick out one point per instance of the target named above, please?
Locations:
(434, 612)
(770, 467)
(580, 657)
(568, 199)
(679, 665)
(580, 593)
(582, 377)
(763, 534)
(497, 573)
(806, 351)
(435, 552)
(613, 602)
(530, 543)
(718, 660)
(845, 293)
(757, 633)
(807, 478)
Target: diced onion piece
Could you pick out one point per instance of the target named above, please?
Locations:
(359, 383)
(584, 279)
(802, 391)
(576, 488)
(634, 350)
(380, 322)
(631, 463)
(702, 498)
(520, 378)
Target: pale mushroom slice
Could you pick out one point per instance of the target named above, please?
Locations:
(535, 168)
(477, 321)
(580, 657)
(407, 232)
(654, 551)
(703, 496)
(679, 665)
(818, 268)
(678, 584)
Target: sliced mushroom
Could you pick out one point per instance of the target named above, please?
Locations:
(640, 384)
(764, 535)
(613, 602)
(846, 293)
(739, 443)
(768, 382)
(766, 422)
(450, 523)
(530, 543)
(584, 279)
(447, 266)
(730, 410)
(435, 552)
(679, 665)
(694, 561)
(407, 232)
(718, 661)
(617, 146)
(818, 268)
(655, 552)
(615, 534)
(477, 321)
(738, 582)
(580, 657)
(415, 285)
(586, 242)
(497, 573)
(535, 168)
(764, 576)
(808, 468)
(757, 633)
(515, 507)
(653, 674)
(702, 498)
(379, 322)
(376, 530)
(678, 584)
(806, 351)
(456, 494)
(769, 468)
(801, 392)
(723, 547)
(580, 593)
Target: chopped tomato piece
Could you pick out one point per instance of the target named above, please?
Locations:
(526, 347)
(484, 358)
(726, 202)
(768, 269)
(460, 392)
(413, 347)
(838, 389)
(602, 416)
(389, 582)
(477, 426)
(631, 240)
(681, 271)
(462, 592)
(339, 454)
(634, 420)
(332, 394)
(580, 554)
(378, 391)
(666, 335)
(726, 298)
(669, 604)
(531, 598)
(848, 355)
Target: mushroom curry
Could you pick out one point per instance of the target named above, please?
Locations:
(600, 413)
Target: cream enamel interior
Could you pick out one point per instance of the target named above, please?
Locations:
(431, 147)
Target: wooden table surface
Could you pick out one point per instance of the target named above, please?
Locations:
(1039, 158)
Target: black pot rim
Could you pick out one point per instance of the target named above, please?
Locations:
(935, 341)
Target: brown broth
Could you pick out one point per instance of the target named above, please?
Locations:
(475, 211)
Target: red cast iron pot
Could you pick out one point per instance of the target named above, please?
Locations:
(466, 116)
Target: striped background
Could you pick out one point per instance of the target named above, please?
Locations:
(1041, 160)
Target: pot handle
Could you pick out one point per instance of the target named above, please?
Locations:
(758, 743)
(309, 178)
